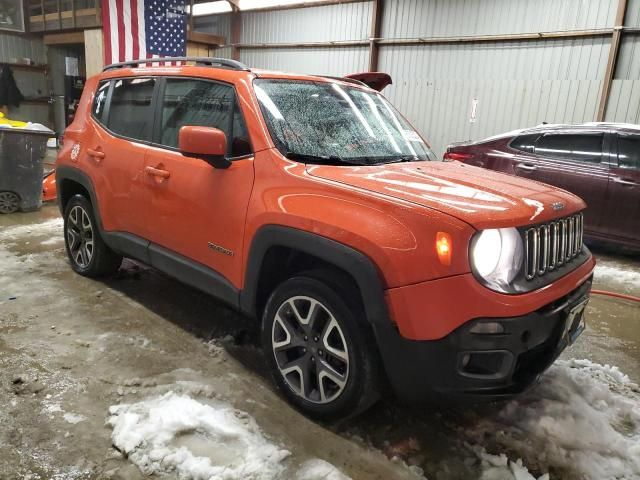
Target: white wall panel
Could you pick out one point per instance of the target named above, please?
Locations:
(441, 18)
(317, 61)
(516, 85)
(348, 21)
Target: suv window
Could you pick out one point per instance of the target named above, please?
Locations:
(577, 147)
(100, 102)
(629, 151)
(203, 103)
(525, 143)
(130, 110)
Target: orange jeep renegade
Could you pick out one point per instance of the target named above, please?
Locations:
(311, 204)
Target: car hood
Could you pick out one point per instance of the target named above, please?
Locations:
(482, 198)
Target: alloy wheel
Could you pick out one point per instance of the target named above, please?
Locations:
(80, 236)
(310, 349)
(9, 202)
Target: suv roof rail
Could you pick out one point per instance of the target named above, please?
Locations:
(206, 61)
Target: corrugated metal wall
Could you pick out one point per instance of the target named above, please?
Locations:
(442, 18)
(515, 83)
(624, 99)
(30, 83)
(349, 21)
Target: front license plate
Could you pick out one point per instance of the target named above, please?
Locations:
(575, 317)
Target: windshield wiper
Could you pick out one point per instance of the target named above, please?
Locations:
(327, 160)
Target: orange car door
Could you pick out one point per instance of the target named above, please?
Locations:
(114, 152)
(197, 211)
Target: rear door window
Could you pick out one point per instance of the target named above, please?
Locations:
(131, 110)
(202, 103)
(629, 151)
(585, 148)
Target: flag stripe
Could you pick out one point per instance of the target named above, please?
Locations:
(113, 32)
(126, 23)
(134, 28)
(120, 31)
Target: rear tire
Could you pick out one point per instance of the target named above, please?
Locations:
(321, 357)
(87, 252)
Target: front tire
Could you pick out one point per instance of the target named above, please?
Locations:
(87, 252)
(321, 357)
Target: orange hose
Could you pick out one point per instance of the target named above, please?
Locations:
(616, 295)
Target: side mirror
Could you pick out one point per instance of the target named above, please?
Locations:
(207, 143)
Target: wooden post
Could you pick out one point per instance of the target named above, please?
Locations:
(376, 19)
(236, 25)
(93, 51)
(614, 49)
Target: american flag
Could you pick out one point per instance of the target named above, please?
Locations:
(135, 29)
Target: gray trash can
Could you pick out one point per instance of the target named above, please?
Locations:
(21, 167)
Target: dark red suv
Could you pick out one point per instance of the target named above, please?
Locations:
(599, 162)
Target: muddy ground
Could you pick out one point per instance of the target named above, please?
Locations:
(71, 347)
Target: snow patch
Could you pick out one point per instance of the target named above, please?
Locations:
(630, 278)
(50, 227)
(499, 467)
(583, 420)
(317, 469)
(175, 433)
(73, 418)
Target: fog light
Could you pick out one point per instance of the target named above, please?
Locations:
(487, 328)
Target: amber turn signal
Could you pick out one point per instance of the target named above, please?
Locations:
(444, 247)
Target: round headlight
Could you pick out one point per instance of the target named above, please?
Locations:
(497, 256)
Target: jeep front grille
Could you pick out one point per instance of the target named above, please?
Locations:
(553, 244)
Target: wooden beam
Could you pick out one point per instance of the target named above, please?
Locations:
(93, 51)
(338, 43)
(205, 38)
(376, 20)
(63, 38)
(436, 40)
(236, 26)
(191, 15)
(614, 49)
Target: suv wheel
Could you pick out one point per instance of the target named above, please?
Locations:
(320, 357)
(88, 253)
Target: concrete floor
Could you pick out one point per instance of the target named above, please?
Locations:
(70, 347)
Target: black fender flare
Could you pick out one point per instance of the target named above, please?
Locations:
(78, 176)
(355, 263)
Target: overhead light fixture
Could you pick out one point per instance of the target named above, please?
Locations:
(210, 8)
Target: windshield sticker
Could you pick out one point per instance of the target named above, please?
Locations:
(411, 136)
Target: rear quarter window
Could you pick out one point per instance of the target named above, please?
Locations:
(525, 143)
(99, 108)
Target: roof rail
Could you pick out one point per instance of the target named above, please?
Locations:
(205, 61)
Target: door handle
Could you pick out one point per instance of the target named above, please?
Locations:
(156, 172)
(97, 155)
(626, 183)
(527, 167)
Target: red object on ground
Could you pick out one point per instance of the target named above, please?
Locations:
(616, 295)
(49, 190)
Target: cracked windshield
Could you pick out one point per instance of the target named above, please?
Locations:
(319, 122)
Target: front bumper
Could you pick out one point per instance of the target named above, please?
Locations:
(483, 366)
